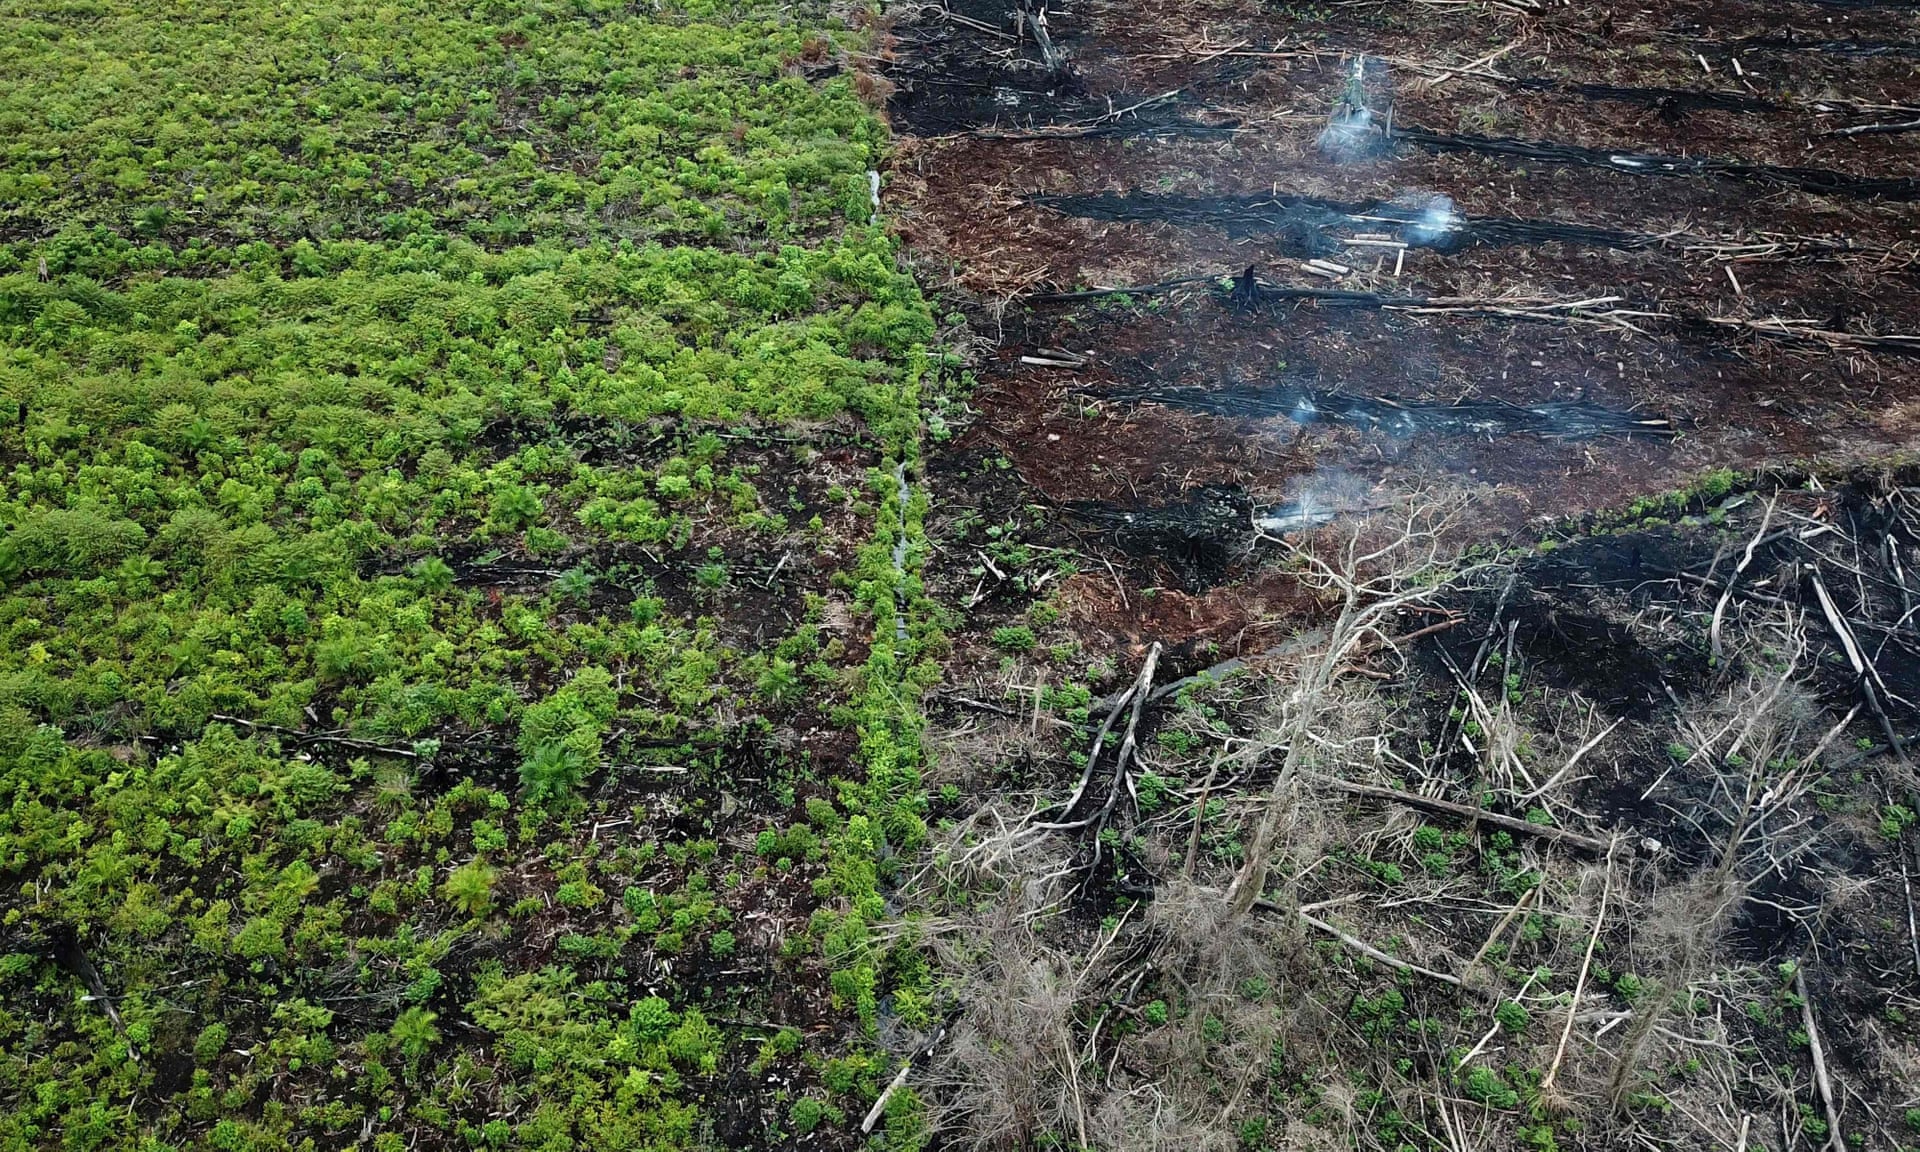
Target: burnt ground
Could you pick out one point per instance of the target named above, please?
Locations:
(1633, 244)
(1621, 277)
(1230, 172)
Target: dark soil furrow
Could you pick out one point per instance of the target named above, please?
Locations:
(1857, 49)
(1665, 100)
(1821, 181)
(1307, 223)
(1569, 420)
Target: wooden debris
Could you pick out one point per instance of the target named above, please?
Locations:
(1579, 987)
(1594, 311)
(1361, 946)
(1141, 687)
(1578, 840)
(1862, 667)
(300, 737)
(1810, 332)
(1093, 758)
(921, 1055)
(1913, 923)
(1874, 129)
(1823, 1082)
(1036, 22)
(1097, 820)
(68, 954)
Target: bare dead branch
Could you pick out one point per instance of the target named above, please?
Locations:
(1585, 843)
(1579, 987)
(1360, 946)
(1821, 1079)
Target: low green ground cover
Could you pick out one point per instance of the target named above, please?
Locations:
(449, 511)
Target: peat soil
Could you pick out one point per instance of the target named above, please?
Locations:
(1233, 271)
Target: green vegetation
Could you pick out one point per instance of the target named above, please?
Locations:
(251, 122)
(405, 411)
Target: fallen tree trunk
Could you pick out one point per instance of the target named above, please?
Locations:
(1361, 946)
(1592, 844)
(1822, 1080)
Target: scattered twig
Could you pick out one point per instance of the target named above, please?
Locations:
(1572, 760)
(1480, 64)
(1200, 818)
(1833, 733)
(298, 736)
(1900, 578)
(1213, 672)
(1501, 928)
(1117, 113)
(980, 705)
(1093, 758)
(1746, 558)
(1128, 742)
(1495, 1030)
(69, 955)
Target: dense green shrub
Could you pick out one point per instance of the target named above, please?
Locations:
(378, 121)
(370, 381)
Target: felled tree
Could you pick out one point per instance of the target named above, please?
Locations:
(1377, 568)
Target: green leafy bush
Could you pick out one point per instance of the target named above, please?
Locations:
(1014, 638)
(470, 887)
(1486, 1086)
